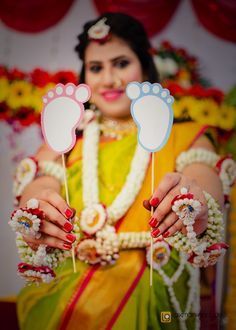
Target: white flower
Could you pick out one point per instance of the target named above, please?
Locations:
(165, 66)
(161, 254)
(93, 218)
(99, 30)
(25, 223)
(87, 250)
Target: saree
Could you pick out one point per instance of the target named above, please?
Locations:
(116, 296)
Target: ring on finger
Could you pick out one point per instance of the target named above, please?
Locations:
(27, 220)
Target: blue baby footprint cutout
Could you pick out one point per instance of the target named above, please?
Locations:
(151, 109)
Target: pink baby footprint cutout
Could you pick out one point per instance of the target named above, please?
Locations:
(62, 112)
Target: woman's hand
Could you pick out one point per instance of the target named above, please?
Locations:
(164, 221)
(55, 228)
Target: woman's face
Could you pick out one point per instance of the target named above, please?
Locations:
(109, 68)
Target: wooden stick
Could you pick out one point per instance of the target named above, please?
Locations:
(152, 211)
(68, 202)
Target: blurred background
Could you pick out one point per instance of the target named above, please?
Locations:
(195, 52)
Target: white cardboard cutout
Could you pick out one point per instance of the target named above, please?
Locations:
(62, 112)
(152, 112)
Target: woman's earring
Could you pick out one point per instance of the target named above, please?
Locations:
(93, 107)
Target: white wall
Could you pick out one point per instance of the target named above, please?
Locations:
(52, 50)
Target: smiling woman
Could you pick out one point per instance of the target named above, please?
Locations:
(109, 68)
(109, 177)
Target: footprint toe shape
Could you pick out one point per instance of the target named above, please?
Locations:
(62, 113)
(151, 110)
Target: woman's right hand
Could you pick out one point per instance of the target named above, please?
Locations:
(56, 228)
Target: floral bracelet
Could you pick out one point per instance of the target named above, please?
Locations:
(204, 250)
(225, 166)
(28, 169)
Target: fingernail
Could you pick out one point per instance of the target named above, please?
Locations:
(153, 222)
(154, 202)
(68, 226)
(71, 238)
(67, 246)
(69, 213)
(155, 232)
(146, 204)
(166, 234)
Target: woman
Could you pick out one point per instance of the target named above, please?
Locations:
(107, 292)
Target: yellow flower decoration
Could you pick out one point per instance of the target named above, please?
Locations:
(227, 116)
(48, 87)
(183, 106)
(19, 94)
(4, 89)
(206, 112)
(37, 95)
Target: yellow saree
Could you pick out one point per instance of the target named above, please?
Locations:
(117, 296)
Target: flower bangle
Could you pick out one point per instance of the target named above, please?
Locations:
(29, 169)
(203, 251)
(25, 172)
(225, 166)
(27, 220)
(35, 273)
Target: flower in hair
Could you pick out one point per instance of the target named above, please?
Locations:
(99, 31)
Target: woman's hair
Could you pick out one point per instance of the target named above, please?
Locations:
(132, 32)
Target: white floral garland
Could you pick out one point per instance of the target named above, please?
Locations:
(40, 257)
(192, 294)
(134, 179)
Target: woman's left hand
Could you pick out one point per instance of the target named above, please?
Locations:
(164, 221)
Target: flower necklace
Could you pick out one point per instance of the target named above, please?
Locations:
(95, 215)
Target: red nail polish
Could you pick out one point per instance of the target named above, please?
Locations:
(71, 238)
(153, 222)
(69, 213)
(67, 246)
(68, 226)
(166, 234)
(155, 232)
(154, 202)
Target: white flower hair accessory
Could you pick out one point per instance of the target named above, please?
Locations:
(99, 31)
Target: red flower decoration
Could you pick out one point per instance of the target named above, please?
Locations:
(176, 89)
(166, 44)
(26, 116)
(65, 77)
(40, 77)
(3, 71)
(197, 91)
(216, 94)
(4, 111)
(16, 74)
